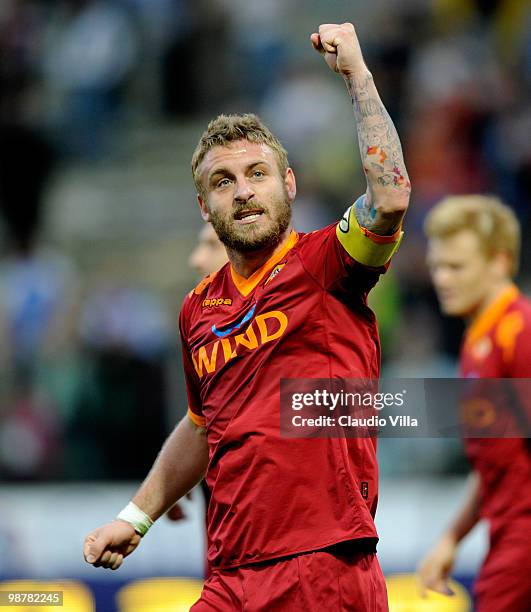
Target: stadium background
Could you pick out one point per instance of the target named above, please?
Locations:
(101, 105)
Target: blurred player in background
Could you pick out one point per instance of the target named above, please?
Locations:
(290, 521)
(473, 252)
(209, 254)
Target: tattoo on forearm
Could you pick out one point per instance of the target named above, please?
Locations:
(380, 147)
(365, 214)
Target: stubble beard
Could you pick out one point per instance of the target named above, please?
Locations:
(247, 238)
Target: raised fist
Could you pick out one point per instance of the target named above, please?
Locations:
(340, 47)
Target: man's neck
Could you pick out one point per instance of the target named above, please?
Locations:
(490, 297)
(245, 264)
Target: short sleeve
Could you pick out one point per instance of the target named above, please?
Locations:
(345, 265)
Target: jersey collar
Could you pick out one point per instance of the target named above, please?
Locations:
(246, 285)
(492, 314)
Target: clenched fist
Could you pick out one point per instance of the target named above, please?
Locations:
(340, 47)
(108, 545)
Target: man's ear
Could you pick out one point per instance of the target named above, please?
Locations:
(290, 184)
(203, 208)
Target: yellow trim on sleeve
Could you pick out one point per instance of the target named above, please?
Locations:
(196, 419)
(362, 245)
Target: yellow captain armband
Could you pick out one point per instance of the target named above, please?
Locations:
(364, 246)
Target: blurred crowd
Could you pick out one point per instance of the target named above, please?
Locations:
(89, 356)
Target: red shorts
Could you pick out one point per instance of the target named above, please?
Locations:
(334, 579)
(503, 584)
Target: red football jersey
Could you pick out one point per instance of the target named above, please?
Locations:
(498, 345)
(304, 314)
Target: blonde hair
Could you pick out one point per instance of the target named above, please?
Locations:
(225, 129)
(494, 223)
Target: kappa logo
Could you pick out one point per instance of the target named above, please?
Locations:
(274, 273)
(213, 302)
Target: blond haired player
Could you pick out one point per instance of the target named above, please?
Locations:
(473, 252)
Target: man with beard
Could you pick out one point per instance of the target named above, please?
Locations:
(473, 252)
(290, 521)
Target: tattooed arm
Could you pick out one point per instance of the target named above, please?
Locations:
(388, 186)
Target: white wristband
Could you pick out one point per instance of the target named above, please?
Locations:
(136, 517)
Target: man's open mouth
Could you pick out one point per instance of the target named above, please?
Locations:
(248, 216)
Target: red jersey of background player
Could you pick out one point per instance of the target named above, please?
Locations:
(303, 314)
(498, 345)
